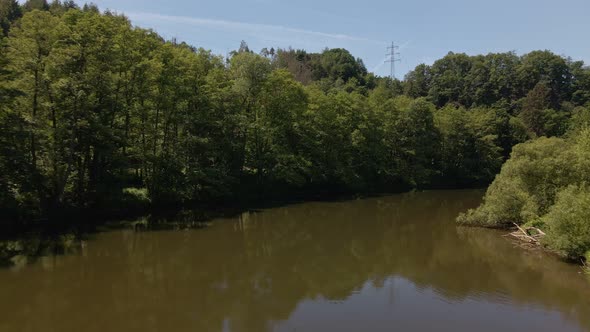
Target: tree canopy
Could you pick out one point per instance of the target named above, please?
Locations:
(99, 114)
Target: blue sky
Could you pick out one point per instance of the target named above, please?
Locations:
(425, 29)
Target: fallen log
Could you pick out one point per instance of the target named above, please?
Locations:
(523, 235)
(529, 235)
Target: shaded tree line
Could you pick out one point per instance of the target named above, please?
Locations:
(98, 114)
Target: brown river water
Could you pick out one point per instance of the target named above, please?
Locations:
(394, 263)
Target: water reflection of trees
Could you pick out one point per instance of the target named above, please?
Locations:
(254, 270)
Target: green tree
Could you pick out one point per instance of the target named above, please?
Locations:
(580, 82)
(336, 64)
(528, 184)
(10, 11)
(31, 5)
(538, 117)
(418, 81)
(28, 54)
(470, 148)
(568, 225)
(415, 143)
(275, 133)
(553, 70)
(448, 80)
(492, 78)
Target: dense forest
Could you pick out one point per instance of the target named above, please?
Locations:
(96, 114)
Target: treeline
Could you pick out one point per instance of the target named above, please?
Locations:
(98, 114)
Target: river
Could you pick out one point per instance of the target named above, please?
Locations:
(394, 263)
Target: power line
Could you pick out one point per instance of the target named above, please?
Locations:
(393, 55)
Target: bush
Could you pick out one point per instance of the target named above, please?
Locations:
(544, 183)
(503, 204)
(528, 184)
(568, 223)
(135, 199)
(137, 194)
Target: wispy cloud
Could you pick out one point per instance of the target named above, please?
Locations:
(261, 30)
